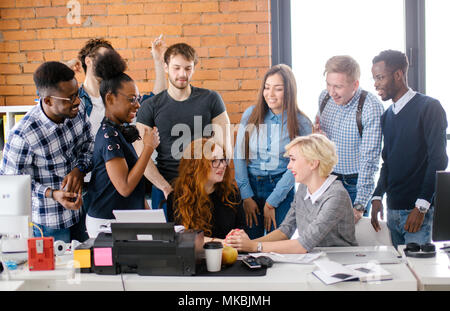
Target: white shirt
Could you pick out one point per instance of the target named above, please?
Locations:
(97, 114)
(316, 195)
(96, 117)
(399, 104)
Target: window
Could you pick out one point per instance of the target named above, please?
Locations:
(324, 28)
(437, 61)
(436, 47)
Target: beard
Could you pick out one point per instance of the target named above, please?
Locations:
(179, 85)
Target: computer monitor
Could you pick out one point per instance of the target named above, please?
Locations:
(15, 212)
(441, 218)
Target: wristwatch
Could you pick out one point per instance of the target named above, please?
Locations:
(359, 207)
(422, 209)
(50, 194)
(259, 248)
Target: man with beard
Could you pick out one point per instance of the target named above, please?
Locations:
(414, 131)
(182, 113)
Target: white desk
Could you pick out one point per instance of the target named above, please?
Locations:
(63, 278)
(11, 285)
(281, 277)
(431, 273)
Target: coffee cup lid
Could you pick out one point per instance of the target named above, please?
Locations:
(213, 245)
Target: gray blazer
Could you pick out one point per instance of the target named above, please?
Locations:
(327, 222)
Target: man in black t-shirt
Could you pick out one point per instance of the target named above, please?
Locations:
(181, 113)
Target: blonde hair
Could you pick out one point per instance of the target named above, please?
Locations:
(343, 64)
(316, 147)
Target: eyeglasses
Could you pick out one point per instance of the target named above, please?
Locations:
(71, 99)
(132, 100)
(216, 162)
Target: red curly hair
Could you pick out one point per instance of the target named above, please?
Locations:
(192, 205)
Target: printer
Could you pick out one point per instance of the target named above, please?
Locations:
(147, 249)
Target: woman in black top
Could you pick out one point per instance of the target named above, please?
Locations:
(117, 176)
(204, 196)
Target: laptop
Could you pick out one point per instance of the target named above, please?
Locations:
(358, 257)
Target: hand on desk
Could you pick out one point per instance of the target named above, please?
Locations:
(239, 239)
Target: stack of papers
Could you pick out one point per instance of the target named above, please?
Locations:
(331, 272)
(291, 258)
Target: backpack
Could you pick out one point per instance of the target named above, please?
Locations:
(362, 99)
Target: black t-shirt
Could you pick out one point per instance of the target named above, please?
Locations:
(102, 197)
(179, 123)
(224, 218)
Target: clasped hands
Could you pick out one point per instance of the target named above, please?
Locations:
(238, 239)
(70, 193)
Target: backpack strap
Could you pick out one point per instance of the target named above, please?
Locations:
(362, 99)
(324, 102)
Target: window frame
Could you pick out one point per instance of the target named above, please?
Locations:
(414, 38)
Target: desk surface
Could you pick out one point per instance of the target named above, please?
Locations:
(280, 277)
(431, 273)
(11, 285)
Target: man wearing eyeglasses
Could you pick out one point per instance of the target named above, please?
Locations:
(53, 143)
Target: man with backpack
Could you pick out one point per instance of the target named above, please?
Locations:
(350, 117)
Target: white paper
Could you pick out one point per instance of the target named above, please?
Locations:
(140, 216)
(291, 258)
(331, 272)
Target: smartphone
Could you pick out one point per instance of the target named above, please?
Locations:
(251, 262)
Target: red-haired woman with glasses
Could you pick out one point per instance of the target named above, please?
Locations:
(205, 197)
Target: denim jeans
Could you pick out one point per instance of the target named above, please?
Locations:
(66, 235)
(396, 220)
(350, 186)
(262, 187)
(157, 197)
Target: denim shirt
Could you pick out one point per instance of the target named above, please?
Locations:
(84, 96)
(266, 154)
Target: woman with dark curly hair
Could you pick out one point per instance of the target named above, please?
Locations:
(117, 176)
(204, 196)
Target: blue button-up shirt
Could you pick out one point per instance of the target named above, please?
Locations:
(266, 154)
(356, 154)
(86, 99)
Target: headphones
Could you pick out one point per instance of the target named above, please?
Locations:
(415, 250)
(129, 131)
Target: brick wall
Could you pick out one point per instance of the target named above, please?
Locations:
(231, 37)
